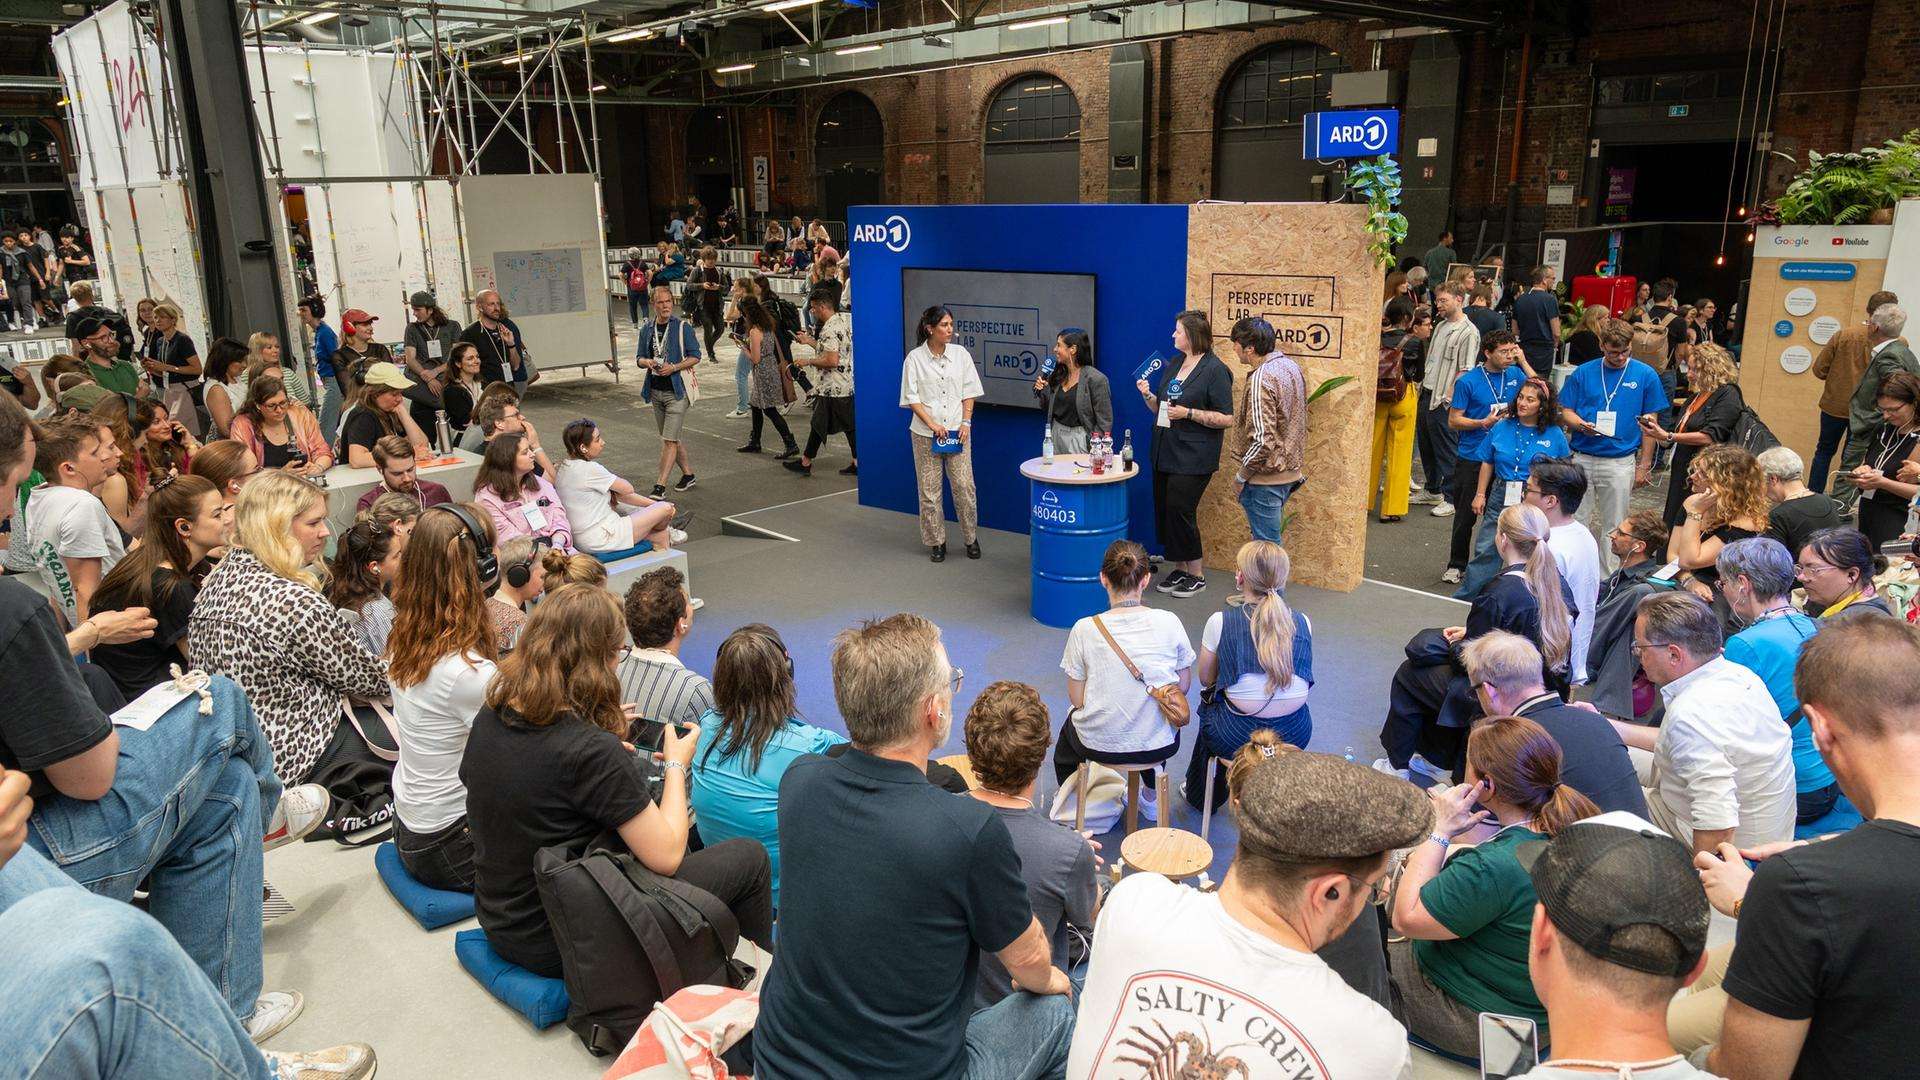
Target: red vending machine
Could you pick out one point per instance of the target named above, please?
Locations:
(1616, 293)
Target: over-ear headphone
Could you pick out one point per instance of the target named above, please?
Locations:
(520, 571)
(485, 563)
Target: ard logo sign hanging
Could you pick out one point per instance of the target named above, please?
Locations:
(1351, 133)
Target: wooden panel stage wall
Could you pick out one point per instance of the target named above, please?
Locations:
(1305, 268)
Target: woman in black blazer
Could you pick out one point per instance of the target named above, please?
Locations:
(1192, 412)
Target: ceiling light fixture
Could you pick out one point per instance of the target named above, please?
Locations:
(852, 49)
(1034, 24)
(731, 68)
(319, 17)
(627, 35)
(599, 88)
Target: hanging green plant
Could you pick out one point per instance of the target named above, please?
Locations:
(1378, 181)
(1849, 188)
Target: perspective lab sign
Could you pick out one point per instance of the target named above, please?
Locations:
(1351, 133)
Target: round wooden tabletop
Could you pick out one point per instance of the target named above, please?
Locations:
(1073, 469)
(1173, 853)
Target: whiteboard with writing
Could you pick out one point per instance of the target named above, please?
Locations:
(541, 282)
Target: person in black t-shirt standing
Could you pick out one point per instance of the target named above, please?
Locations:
(1536, 320)
(1821, 979)
(503, 351)
(426, 351)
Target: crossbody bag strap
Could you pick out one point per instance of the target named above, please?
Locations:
(1118, 651)
(384, 717)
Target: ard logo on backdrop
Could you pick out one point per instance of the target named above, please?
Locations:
(895, 233)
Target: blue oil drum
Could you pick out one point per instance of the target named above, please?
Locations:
(1071, 526)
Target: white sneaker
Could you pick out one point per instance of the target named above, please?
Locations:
(1442, 509)
(300, 811)
(738, 414)
(1452, 575)
(676, 536)
(272, 1013)
(1382, 765)
(1424, 498)
(1422, 765)
(348, 1061)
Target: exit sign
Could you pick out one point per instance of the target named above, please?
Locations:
(1674, 112)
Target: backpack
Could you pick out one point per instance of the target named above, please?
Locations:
(1650, 345)
(630, 939)
(356, 768)
(1750, 433)
(786, 316)
(1390, 377)
(637, 277)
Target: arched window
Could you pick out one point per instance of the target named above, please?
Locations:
(1257, 135)
(849, 153)
(1033, 142)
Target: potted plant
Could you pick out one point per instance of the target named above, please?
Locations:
(1378, 181)
(1857, 187)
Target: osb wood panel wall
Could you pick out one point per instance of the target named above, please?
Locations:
(1303, 267)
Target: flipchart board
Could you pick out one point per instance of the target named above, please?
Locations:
(149, 251)
(537, 239)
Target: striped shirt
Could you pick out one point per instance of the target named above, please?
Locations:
(663, 689)
(1273, 423)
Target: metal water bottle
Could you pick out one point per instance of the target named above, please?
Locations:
(442, 433)
(1126, 450)
(1046, 445)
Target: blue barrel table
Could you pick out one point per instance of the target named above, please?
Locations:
(1073, 516)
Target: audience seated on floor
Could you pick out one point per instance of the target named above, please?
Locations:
(1115, 719)
(1431, 701)
(1255, 666)
(1837, 569)
(606, 513)
(1505, 672)
(262, 621)
(1621, 926)
(662, 690)
(520, 501)
(68, 541)
(440, 661)
(400, 474)
(1719, 768)
(1315, 835)
(366, 564)
(1466, 920)
(523, 578)
(1007, 734)
(1617, 687)
(281, 432)
(186, 521)
(1819, 981)
(890, 889)
(546, 766)
(748, 740)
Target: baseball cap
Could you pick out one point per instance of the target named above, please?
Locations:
(1301, 806)
(356, 315)
(423, 298)
(1616, 871)
(85, 326)
(385, 374)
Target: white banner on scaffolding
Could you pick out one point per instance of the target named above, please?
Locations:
(117, 100)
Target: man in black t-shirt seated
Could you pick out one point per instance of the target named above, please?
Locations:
(1821, 978)
(175, 804)
(890, 890)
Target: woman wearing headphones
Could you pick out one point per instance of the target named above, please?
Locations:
(522, 580)
(439, 660)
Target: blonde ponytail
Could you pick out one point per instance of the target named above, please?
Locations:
(1264, 567)
(1526, 529)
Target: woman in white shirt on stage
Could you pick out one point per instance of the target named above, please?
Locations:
(939, 384)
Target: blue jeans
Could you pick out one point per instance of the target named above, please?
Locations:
(1022, 1037)
(1486, 562)
(1439, 446)
(742, 375)
(1833, 431)
(92, 987)
(330, 405)
(1266, 506)
(190, 802)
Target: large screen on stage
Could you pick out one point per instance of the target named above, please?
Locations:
(1006, 320)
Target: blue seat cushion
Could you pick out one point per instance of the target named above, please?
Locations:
(430, 907)
(1841, 818)
(640, 548)
(541, 1000)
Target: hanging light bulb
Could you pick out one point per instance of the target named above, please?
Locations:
(1720, 259)
(1742, 212)
(1749, 236)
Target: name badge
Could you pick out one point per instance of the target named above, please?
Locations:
(1604, 421)
(1667, 572)
(433, 349)
(1515, 490)
(1163, 420)
(536, 518)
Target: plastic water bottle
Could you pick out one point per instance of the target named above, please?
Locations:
(1046, 445)
(1126, 450)
(1349, 755)
(1094, 459)
(442, 432)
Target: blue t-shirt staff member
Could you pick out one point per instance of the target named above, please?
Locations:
(1481, 396)
(1602, 404)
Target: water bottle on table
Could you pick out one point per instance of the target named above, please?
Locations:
(1046, 445)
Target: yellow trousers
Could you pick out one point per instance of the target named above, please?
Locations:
(1393, 440)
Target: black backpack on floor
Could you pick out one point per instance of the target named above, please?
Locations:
(629, 939)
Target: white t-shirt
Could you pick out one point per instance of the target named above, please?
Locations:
(62, 523)
(1170, 964)
(1578, 556)
(940, 383)
(586, 490)
(1723, 759)
(1119, 715)
(434, 717)
(1249, 692)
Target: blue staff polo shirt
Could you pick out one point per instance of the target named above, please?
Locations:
(1474, 393)
(1630, 393)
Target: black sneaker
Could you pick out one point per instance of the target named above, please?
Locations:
(1189, 585)
(1172, 581)
(851, 470)
(686, 482)
(798, 467)
(659, 491)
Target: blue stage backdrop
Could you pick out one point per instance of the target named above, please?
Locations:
(1137, 255)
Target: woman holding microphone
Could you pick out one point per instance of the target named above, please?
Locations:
(1191, 414)
(940, 384)
(1076, 398)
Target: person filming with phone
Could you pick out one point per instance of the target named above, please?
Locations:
(1482, 397)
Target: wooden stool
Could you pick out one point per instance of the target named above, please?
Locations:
(960, 764)
(1206, 800)
(1173, 853)
(1083, 775)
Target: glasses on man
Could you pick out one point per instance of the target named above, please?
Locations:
(1376, 889)
(953, 682)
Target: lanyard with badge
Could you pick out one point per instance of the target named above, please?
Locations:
(1606, 420)
(660, 342)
